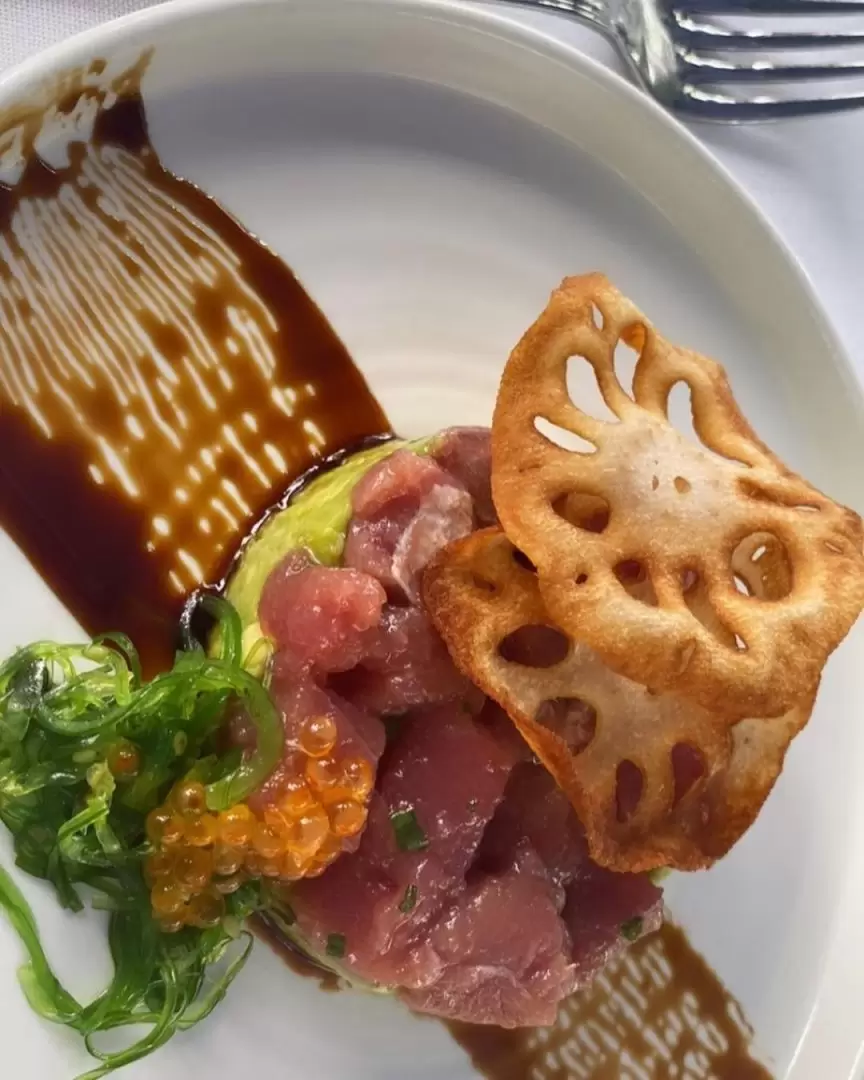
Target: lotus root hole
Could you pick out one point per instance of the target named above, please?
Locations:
(628, 789)
(597, 317)
(761, 567)
(581, 579)
(535, 646)
(570, 718)
(636, 581)
(626, 359)
(590, 513)
(688, 768)
(682, 485)
(679, 410)
(584, 391)
(563, 437)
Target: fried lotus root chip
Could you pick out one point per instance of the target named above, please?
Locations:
(780, 564)
(655, 779)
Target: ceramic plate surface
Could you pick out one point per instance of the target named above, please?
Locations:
(431, 172)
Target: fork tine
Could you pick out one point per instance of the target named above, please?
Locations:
(698, 69)
(695, 34)
(698, 105)
(772, 7)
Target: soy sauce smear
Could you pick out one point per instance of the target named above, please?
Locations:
(659, 1012)
(161, 372)
(163, 377)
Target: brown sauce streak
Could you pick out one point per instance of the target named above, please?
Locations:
(96, 546)
(657, 1013)
(300, 964)
(100, 548)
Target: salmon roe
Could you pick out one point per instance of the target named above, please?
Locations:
(123, 758)
(199, 858)
(317, 736)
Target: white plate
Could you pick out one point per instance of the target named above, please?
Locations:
(431, 171)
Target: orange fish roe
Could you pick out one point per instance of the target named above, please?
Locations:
(159, 865)
(347, 818)
(156, 821)
(229, 884)
(202, 831)
(317, 736)
(359, 776)
(198, 858)
(193, 868)
(206, 909)
(294, 866)
(189, 799)
(123, 758)
(296, 797)
(167, 899)
(309, 832)
(235, 826)
(267, 841)
(173, 831)
(323, 773)
(227, 860)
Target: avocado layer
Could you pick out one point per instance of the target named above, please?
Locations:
(316, 520)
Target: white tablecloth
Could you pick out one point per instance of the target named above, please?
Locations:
(805, 174)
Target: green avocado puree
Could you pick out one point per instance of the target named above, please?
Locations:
(317, 520)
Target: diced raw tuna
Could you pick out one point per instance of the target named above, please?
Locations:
(402, 475)
(320, 617)
(503, 951)
(493, 718)
(407, 665)
(501, 936)
(450, 774)
(493, 911)
(600, 907)
(406, 509)
(535, 812)
(466, 454)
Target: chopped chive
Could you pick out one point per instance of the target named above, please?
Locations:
(632, 929)
(409, 900)
(336, 945)
(407, 831)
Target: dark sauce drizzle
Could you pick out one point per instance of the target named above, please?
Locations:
(659, 1013)
(88, 541)
(96, 548)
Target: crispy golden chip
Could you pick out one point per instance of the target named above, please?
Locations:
(655, 779)
(780, 565)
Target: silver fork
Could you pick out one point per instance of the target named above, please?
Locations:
(684, 60)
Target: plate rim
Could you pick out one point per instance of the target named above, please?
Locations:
(28, 73)
(22, 78)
